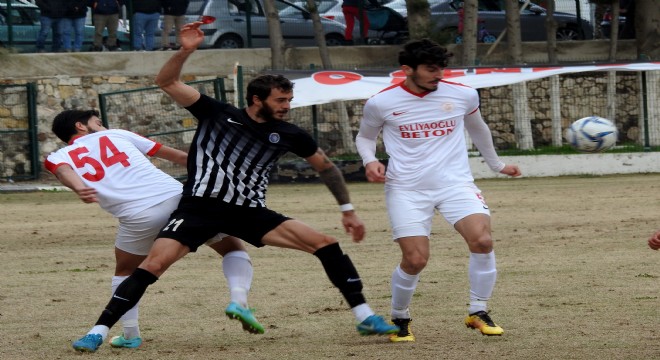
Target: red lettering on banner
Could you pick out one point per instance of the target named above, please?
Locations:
(449, 73)
(397, 76)
(497, 70)
(544, 69)
(336, 77)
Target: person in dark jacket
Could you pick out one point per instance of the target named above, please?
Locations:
(51, 13)
(174, 12)
(73, 22)
(105, 14)
(144, 23)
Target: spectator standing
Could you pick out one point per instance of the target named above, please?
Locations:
(355, 9)
(144, 23)
(73, 22)
(51, 13)
(174, 12)
(105, 14)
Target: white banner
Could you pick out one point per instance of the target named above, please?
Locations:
(327, 86)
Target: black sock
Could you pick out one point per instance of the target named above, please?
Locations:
(127, 295)
(342, 273)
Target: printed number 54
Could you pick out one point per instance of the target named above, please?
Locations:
(110, 155)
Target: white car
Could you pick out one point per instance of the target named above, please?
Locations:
(226, 26)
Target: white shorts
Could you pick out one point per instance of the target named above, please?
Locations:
(411, 211)
(136, 234)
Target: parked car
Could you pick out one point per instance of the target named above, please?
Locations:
(225, 24)
(493, 19)
(25, 26)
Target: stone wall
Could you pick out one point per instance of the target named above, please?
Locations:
(582, 94)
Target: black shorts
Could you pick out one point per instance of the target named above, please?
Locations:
(198, 219)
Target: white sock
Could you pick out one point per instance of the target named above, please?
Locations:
(482, 274)
(403, 288)
(130, 319)
(362, 311)
(237, 267)
(101, 330)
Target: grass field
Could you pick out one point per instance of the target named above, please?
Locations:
(576, 280)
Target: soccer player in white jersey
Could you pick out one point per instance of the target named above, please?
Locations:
(422, 120)
(110, 167)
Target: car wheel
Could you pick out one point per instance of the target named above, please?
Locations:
(334, 40)
(229, 41)
(567, 34)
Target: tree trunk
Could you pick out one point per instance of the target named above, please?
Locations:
(551, 32)
(513, 39)
(522, 125)
(319, 35)
(614, 29)
(647, 29)
(277, 45)
(419, 19)
(470, 17)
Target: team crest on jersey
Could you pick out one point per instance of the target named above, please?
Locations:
(447, 107)
(274, 138)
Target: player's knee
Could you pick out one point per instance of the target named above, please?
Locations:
(414, 264)
(322, 241)
(482, 244)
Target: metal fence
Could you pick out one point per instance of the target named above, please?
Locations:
(152, 113)
(535, 125)
(19, 149)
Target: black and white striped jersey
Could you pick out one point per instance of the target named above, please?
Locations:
(231, 155)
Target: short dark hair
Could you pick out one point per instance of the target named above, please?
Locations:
(424, 51)
(262, 85)
(64, 124)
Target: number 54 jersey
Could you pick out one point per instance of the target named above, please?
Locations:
(114, 163)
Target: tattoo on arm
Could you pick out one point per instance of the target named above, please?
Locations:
(334, 180)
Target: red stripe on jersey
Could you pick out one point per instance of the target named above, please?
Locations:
(154, 149)
(53, 167)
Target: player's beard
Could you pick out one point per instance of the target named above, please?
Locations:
(90, 130)
(268, 114)
(425, 86)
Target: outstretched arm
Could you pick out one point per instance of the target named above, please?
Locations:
(69, 178)
(168, 78)
(172, 154)
(334, 180)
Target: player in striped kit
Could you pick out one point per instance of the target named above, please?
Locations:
(110, 167)
(423, 120)
(229, 163)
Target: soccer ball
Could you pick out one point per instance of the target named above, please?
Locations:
(592, 134)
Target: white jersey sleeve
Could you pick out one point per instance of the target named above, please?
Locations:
(114, 163)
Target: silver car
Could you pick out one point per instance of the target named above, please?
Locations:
(492, 18)
(226, 24)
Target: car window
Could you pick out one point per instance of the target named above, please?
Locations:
(18, 16)
(491, 5)
(195, 7)
(241, 6)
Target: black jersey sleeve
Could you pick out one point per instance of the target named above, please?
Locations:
(207, 108)
(304, 145)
